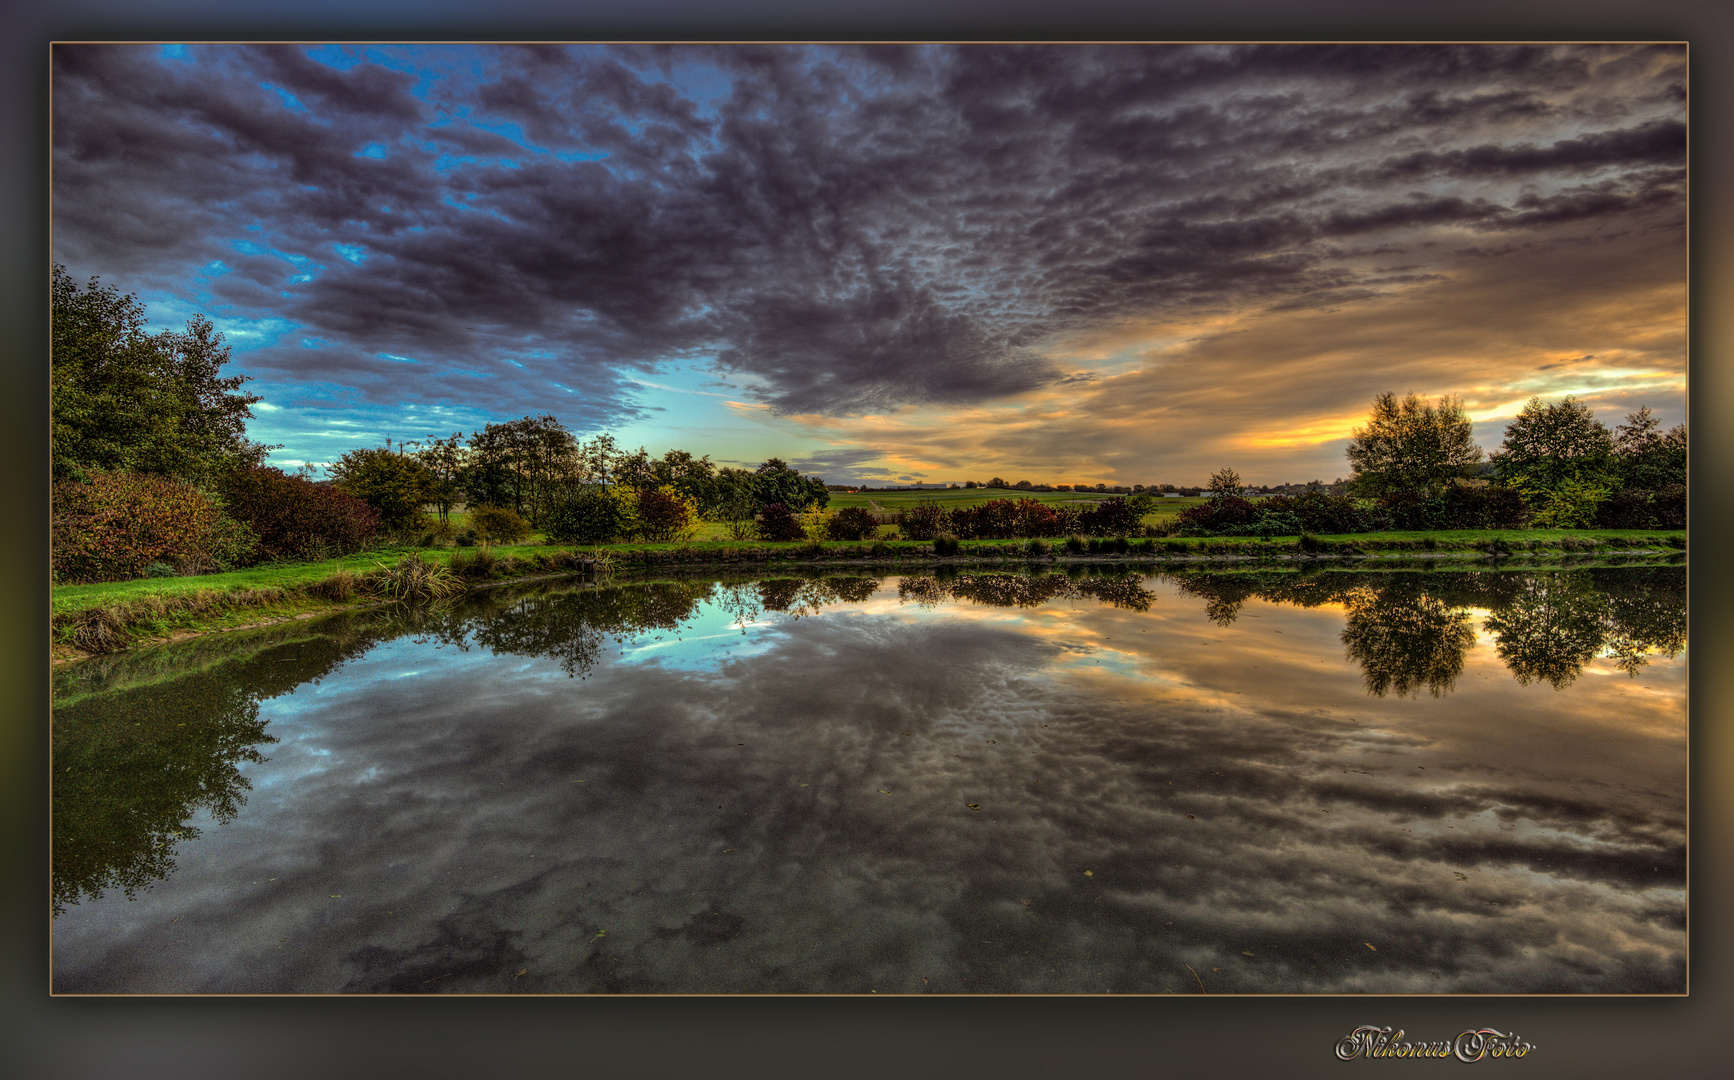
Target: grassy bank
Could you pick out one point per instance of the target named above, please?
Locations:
(109, 616)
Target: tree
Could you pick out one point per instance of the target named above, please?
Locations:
(1409, 445)
(1225, 483)
(775, 482)
(1645, 457)
(445, 460)
(127, 400)
(522, 464)
(1548, 445)
(394, 484)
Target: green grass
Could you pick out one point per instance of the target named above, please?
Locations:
(160, 607)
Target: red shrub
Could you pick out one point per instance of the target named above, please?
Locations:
(296, 518)
(116, 524)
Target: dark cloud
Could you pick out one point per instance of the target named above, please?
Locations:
(854, 228)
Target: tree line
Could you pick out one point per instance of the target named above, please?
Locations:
(153, 472)
(1416, 466)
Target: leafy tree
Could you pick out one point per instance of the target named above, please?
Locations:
(775, 482)
(1645, 457)
(1225, 483)
(127, 400)
(445, 460)
(394, 484)
(523, 464)
(1409, 445)
(1548, 445)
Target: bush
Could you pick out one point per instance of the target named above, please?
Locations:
(295, 518)
(879, 550)
(777, 524)
(945, 544)
(666, 516)
(851, 523)
(924, 521)
(1638, 509)
(465, 539)
(1571, 505)
(592, 516)
(1226, 516)
(498, 524)
(394, 484)
(1035, 549)
(115, 526)
(1115, 517)
(160, 570)
(1076, 545)
(1319, 512)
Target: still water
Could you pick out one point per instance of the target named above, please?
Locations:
(1442, 782)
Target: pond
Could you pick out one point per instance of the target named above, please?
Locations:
(976, 782)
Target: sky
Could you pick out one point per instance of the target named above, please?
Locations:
(895, 263)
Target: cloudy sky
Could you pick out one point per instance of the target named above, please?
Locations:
(1128, 264)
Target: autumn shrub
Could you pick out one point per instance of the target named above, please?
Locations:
(852, 523)
(498, 524)
(1114, 517)
(923, 521)
(666, 516)
(295, 518)
(114, 526)
(779, 525)
(1218, 517)
(945, 544)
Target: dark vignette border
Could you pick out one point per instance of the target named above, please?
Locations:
(195, 1038)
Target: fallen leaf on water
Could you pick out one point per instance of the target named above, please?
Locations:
(973, 805)
(884, 791)
(908, 733)
(600, 934)
(580, 781)
(336, 896)
(521, 973)
(727, 850)
(1243, 952)
(923, 982)
(1460, 875)
(1194, 816)
(990, 740)
(1370, 945)
(1026, 903)
(1088, 874)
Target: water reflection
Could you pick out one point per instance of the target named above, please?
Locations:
(970, 782)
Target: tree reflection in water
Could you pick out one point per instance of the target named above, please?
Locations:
(137, 756)
(1405, 638)
(1414, 629)
(134, 765)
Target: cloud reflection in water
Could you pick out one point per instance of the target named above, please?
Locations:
(1223, 791)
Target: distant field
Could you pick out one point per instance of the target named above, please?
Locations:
(891, 501)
